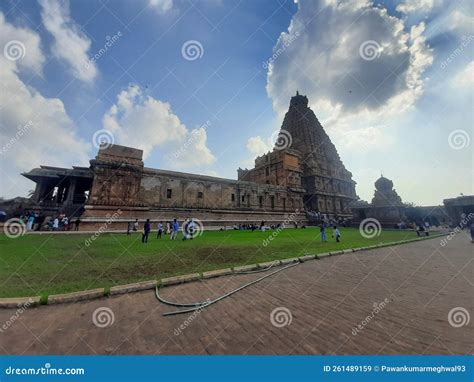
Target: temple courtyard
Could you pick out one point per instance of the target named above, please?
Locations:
(403, 299)
(54, 263)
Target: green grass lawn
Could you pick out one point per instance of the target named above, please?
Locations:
(46, 264)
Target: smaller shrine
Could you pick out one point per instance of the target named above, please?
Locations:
(386, 206)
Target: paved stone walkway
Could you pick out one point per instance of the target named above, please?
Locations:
(416, 286)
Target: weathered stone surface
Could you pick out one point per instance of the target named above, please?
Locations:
(245, 268)
(18, 302)
(76, 296)
(307, 257)
(306, 141)
(289, 261)
(269, 264)
(322, 255)
(121, 186)
(216, 273)
(180, 279)
(135, 287)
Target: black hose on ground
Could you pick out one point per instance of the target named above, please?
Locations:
(203, 305)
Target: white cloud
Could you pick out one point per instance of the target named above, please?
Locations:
(326, 64)
(144, 122)
(460, 22)
(257, 146)
(465, 77)
(34, 129)
(71, 45)
(19, 42)
(161, 6)
(410, 6)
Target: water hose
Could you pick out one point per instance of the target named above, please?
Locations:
(203, 305)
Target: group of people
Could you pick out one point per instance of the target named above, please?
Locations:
(62, 223)
(335, 233)
(34, 221)
(170, 229)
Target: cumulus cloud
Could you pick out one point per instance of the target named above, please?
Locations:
(71, 45)
(144, 122)
(30, 122)
(258, 146)
(352, 56)
(409, 6)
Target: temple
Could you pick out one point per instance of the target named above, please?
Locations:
(302, 175)
(386, 206)
(306, 161)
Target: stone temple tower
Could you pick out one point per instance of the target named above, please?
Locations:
(328, 184)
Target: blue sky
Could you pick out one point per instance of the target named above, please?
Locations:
(406, 111)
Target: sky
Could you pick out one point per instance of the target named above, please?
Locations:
(201, 86)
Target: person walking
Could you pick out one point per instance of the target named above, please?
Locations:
(322, 231)
(174, 232)
(160, 230)
(185, 229)
(336, 234)
(191, 228)
(129, 228)
(135, 225)
(146, 231)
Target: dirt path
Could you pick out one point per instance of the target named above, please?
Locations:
(415, 286)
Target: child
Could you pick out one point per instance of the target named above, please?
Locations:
(336, 234)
